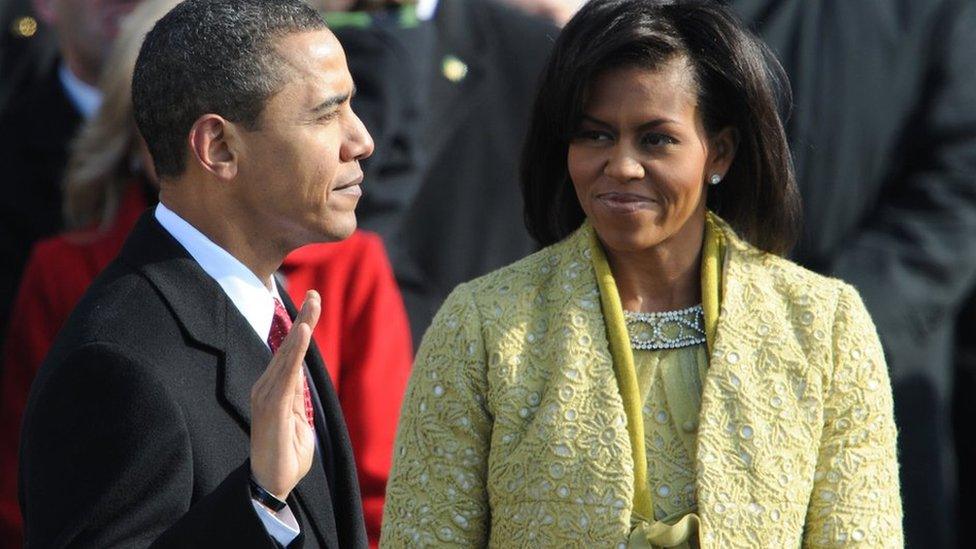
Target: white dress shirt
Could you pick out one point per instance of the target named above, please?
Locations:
(255, 301)
(86, 98)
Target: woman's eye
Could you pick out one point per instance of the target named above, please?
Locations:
(657, 140)
(593, 135)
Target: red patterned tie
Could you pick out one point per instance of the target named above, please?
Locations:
(280, 325)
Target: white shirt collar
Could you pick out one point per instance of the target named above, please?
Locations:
(426, 9)
(84, 97)
(243, 287)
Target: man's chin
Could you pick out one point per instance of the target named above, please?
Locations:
(334, 228)
(338, 230)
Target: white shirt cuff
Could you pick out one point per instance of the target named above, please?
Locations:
(282, 525)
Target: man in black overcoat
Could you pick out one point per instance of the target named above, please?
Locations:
(883, 132)
(183, 404)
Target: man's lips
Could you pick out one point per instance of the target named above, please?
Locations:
(353, 183)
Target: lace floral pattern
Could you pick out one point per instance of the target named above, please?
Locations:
(513, 432)
(670, 387)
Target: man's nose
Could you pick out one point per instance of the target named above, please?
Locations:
(359, 144)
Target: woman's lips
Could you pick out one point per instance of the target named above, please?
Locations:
(625, 202)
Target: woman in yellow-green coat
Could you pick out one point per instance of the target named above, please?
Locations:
(657, 376)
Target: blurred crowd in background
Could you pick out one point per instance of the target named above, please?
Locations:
(882, 125)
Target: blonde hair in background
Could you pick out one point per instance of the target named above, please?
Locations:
(102, 155)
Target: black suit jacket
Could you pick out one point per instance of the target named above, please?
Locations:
(442, 186)
(36, 126)
(137, 428)
(884, 139)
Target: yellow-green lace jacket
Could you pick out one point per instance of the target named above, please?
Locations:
(513, 431)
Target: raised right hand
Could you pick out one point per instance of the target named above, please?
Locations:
(282, 442)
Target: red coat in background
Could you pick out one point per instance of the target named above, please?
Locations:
(362, 334)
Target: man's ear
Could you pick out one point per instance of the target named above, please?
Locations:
(723, 146)
(214, 144)
(44, 9)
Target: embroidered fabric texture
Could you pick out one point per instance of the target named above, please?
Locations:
(666, 330)
(670, 385)
(513, 431)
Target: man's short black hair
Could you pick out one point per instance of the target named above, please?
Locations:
(210, 56)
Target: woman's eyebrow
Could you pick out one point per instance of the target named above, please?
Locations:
(660, 121)
(657, 122)
(597, 121)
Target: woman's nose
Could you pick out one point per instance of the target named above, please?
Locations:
(624, 165)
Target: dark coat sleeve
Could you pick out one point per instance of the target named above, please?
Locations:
(915, 257)
(105, 462)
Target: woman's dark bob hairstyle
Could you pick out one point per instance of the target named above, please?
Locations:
(740, 85)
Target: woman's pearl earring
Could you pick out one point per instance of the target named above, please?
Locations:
(715, 179)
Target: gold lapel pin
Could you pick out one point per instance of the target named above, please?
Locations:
(454, 69)
(24, 27)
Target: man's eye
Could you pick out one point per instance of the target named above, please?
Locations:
(329, 116)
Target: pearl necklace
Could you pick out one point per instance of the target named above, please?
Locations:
(666, 330)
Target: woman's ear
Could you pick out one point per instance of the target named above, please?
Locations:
(213, 146)
(723, 146)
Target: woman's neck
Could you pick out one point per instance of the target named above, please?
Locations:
(666, 277)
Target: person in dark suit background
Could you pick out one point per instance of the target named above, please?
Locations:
(445, 88)
(44, 109)
(26, 45)
(883, 131)
(154, 418)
